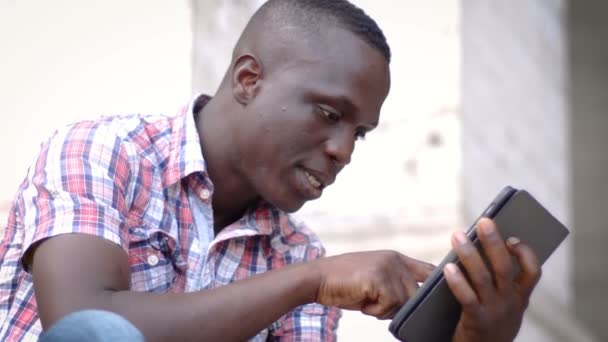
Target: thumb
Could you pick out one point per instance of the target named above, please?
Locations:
(380, 310)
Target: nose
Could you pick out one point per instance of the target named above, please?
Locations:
(340, 147)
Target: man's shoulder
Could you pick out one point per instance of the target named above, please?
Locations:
(123, 126)
(135, 135)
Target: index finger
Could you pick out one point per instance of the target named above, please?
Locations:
(419, 269)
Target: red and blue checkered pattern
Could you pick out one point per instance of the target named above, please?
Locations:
(126, 179)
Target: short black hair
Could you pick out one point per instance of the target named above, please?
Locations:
(346, 14)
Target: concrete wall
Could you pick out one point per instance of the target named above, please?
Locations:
(515, 131)
(515, 108)
(589, 124)
(69, 60)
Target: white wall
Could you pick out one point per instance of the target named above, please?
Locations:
(68, 60)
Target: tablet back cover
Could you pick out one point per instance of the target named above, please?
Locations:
(435, 318)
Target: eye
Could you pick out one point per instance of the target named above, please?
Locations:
(330, 114)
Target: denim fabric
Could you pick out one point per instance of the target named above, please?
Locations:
(92, 326)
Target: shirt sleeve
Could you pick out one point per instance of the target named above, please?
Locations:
(77, 185)
(311, 322)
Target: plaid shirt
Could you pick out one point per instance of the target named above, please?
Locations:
(127, 179)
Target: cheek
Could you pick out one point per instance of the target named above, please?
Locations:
(284, 134)
(289, 137)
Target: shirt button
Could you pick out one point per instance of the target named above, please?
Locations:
(205, 194)
(152, 260)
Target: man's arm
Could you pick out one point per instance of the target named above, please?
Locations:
(77, 271)
(78, 198)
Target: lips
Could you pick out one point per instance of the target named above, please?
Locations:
(310, 183)
(314, 181)
(317, 178)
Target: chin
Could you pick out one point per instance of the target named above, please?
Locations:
(289, 205)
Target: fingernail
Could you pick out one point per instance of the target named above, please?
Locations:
(451, 268)
(512, 241)
(486, 228)
(461, 238)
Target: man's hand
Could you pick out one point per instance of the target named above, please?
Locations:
(492, 304)
(375, 283)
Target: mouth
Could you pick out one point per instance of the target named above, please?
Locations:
(310, 183)
(314, 181)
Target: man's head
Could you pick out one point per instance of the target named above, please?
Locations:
(286, 21)
(307, 79)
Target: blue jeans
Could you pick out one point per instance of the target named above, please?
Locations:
(94, 326)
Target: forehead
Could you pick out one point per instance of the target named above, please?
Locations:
(339, 64)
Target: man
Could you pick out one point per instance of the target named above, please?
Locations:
(177, 228)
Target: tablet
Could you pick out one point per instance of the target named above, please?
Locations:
(432, 313)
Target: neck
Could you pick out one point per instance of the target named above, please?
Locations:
(232, 195)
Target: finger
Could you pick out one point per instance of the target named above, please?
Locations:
(391, 293)
(460, 287)
(401, 287)
(420, 270)
(407, 287)
(384, 307)
(376, 309)
(400, 295)
(474, 266)
(529, 263)
(496, 251)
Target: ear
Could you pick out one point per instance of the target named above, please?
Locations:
(246, 77)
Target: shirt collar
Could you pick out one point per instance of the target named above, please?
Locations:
(186, 158)
(185, 152)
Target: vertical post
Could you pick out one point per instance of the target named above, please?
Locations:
(588, 131)
(515, 132)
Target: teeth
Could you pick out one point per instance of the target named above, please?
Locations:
(313, 180)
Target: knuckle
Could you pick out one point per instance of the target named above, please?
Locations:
(505, 285)
(493, 240)
(484, 280)
(470, 305)
(368, 289)
(385, 256)
(480, 314)
(394, 255)
(503, 270)
(394, 302)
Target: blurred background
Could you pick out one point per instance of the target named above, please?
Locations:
(485, 93)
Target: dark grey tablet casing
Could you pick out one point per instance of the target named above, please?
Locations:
(432, 313)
